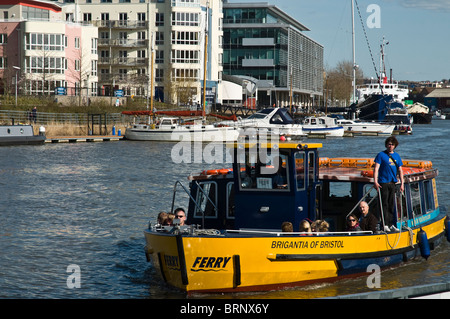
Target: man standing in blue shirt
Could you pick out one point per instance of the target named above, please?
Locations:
(388, 165)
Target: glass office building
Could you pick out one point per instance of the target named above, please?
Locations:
(263, 43)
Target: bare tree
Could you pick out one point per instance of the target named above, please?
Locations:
(339, 82)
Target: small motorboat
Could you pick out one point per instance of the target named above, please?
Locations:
(268, 121)
(366, 128)
(322, 125)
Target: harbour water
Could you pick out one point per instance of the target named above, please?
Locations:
(87, 205)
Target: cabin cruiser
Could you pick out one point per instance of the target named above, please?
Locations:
(270, 121)
(171, 129)
(366, 128)
(322, 125)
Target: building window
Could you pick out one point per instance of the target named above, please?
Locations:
(185, 56)
(31, 13)
(87, 17)
(159, 38)
(159, 75)
(45, 42)
(190, 19)
(185, 38)
(186, 3)
(94, 45)
(47, 65)
(3, 38)
(159, 22)
(94, 67)
(159, 57)
(3, 63)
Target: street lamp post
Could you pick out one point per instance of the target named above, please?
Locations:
(17, 71)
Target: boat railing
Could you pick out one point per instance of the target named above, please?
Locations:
(197, 205)
(285, 234)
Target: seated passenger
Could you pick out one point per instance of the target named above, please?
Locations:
(181, 215)
(287, 227)
(367, 222)
(320, 226)
(352, 223)
(162, 217)
(169, 220)
(305, 226)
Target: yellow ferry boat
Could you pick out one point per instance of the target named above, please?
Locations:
(234, 240)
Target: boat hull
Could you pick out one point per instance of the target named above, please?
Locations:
(19, 135)
(248, 262)
(330, 132)
(183, 135)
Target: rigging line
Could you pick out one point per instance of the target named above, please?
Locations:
(368, 44)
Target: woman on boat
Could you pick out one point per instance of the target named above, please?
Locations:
(305, 226)
(352, 223)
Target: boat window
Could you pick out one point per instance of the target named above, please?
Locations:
(300, 170)
(311, 167)
(340, 190)
(276, 119)
(257, 116)
(415, 199)
(402, 210)
(264, 171)
(230, 200)
(313, 121)
(321, 121)
(166, 122)
(205, 200)
(428, 196)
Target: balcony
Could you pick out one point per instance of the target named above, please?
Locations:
(123, 61)
(123, 43)
(120, 24)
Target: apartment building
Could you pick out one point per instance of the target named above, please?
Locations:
(47, 52)
(103, 47)
(159, 39)
(268, 48)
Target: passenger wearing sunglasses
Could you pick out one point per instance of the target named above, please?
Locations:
(181, 215)
(352, 223)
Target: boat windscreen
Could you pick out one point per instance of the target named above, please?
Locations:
(282, 116)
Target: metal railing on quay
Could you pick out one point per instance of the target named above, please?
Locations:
(42, 118)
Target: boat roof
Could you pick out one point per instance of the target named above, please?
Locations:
(279, 145)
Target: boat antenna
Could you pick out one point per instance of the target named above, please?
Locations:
(205, 60)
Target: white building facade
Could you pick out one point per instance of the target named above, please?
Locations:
(159, 39)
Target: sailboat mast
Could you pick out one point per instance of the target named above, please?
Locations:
(354, 52)
(151, 73)
(205, 60)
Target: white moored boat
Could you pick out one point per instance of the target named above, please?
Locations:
(170, 129)
(322, 125)
(366, 128)
(270, 120)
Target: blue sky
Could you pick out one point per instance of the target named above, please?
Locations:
(418, 32)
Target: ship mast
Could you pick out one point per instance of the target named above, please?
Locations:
(205, 61)
(354, 52)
